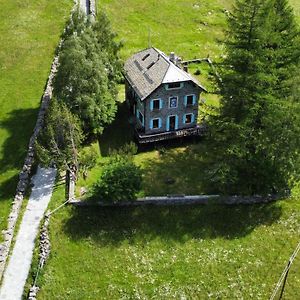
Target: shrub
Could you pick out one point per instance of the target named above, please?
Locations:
(120, 181)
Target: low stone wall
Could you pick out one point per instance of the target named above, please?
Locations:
(182, 200)
(44, 247)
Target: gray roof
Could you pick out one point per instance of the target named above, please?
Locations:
(149, 68)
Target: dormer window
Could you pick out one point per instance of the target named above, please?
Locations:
(147, 55)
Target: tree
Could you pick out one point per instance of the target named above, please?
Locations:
(87, 160)
(120, 181)
(256, 135)
(60, 139)
(89, 68)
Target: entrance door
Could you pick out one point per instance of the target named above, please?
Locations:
(172, 123)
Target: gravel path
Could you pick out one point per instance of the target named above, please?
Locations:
(19, 264)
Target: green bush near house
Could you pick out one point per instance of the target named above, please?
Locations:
(120, 181)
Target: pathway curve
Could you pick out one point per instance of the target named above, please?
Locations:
(19, 264)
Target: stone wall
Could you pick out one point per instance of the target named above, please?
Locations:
(171, 200)
(44, 253)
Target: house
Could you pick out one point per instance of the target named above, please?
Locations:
(163, 98)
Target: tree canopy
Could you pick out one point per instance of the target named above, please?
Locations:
(89, 68)
(258, 129)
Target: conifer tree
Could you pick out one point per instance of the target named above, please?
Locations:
(257, 132)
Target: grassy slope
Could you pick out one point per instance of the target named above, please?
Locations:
(29, 33)
(166, 253)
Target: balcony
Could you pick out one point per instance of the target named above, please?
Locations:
(198, 130)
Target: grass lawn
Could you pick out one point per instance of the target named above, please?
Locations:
(196, 252)
(29, 34)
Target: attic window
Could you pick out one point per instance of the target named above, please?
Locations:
(150, 65)
(147, 55)
(174, 85)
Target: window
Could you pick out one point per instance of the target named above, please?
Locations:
(140, 117)
(188, 119)
(174, 85)
(147, 55)
(190, 100)
(155, 123)
(173, 102)
(155, 104)
(151, 64)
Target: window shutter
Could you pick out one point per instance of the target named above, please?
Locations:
(137, 113)
(151, 104)
(194, 99)
(176, 122)
(168, 123)
(185, 100)
(160, 103)
(193, 118)
(183, 119)
(151, 124)
(159, 123)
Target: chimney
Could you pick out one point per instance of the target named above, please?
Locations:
(185, 68)
(178, 62)
(172, 57)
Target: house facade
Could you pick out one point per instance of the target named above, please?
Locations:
(162, 97)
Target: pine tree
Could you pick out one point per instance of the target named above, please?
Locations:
(88, 73)
(60, 140)
(257, 134)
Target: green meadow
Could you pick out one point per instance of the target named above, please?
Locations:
(191, 252)
(29, 34)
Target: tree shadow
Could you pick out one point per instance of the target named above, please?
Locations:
(8, 187)
(118, 133)
(112, 226)
(19, 124)
(178, 171)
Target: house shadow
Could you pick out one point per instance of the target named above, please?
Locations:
(179, 171)
(112, 226)
(19, 124)
(118, 133)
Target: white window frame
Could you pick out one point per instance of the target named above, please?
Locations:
(170, 101)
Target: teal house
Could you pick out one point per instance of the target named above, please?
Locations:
(162, 96)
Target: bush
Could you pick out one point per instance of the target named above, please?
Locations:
(120, 181)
